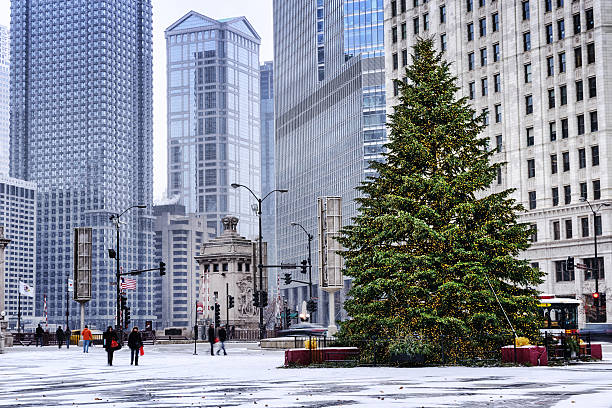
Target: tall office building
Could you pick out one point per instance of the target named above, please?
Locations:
(538, 68)
(4, 99)
(178, 238)
(213, 117)
(81, 128)
(330, 114)
(268, 182)
(18, 217)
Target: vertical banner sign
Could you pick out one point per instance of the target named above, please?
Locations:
(330, 260)
(70, 285)
(82, 264)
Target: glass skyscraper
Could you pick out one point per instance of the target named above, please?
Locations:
(4, 99)
(330, 115)
(81, 128)
(268, 182)
(213, 118)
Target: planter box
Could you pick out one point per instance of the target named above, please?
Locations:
(534, 355)
(305, 357)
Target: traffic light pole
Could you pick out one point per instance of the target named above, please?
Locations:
(595, 268)
(227, 304)
(115, 218)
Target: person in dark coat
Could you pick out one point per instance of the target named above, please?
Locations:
(211, 339)
(109, 336)
(67, 335)
(39, 335)
(222, 338)
(134, 343)
(59, 336)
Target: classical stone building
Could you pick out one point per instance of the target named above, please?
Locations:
(229, 265)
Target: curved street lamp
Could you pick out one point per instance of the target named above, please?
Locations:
(115, 218)
(595, 267)
(260, 260)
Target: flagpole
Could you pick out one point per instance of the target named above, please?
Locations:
(67, 311)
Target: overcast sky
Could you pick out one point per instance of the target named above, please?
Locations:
(166, 12)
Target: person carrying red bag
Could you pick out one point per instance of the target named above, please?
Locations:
(135, 345)
(111, 343)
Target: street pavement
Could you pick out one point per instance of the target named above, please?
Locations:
(171, 376)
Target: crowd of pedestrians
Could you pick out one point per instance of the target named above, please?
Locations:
(111, 343)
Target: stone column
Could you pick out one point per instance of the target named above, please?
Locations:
(4, 335)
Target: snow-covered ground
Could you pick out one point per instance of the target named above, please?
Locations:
(171, 376)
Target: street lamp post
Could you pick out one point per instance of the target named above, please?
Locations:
(595, 268)
(262, 329)
(310, 237)
(115, 218)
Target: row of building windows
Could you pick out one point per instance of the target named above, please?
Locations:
(567, 191)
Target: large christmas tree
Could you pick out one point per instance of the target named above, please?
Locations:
(430, 236)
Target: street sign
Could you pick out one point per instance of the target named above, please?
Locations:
(288, 266)
(581, 266)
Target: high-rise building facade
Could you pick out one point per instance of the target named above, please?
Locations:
(178, 238)
(4, 99)
(81, 128)
(268, 182)
(329, 115)
(18, 217)
(537, 68)
(213, 117)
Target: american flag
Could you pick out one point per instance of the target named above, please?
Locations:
(128, 283)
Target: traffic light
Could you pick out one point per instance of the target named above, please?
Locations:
(162, 268)
(570, 264)
(288, 279)
(256, 298)
(112, 253)
(217, 314)
(263, 298)
(195, 332)
(123, 300)
(304, 266)
(126, 319)
(287, 317)
(230, 302)
(311, 306)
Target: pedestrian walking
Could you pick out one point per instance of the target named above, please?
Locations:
(86, 334)
(39, 335)
(111, 343)
(211, 339)
(59, 336)
(222, 338)
(134, 343)
(67, 335)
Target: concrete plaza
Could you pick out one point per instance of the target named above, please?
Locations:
(171, 376)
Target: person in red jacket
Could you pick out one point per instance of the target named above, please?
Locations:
(86, 334)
